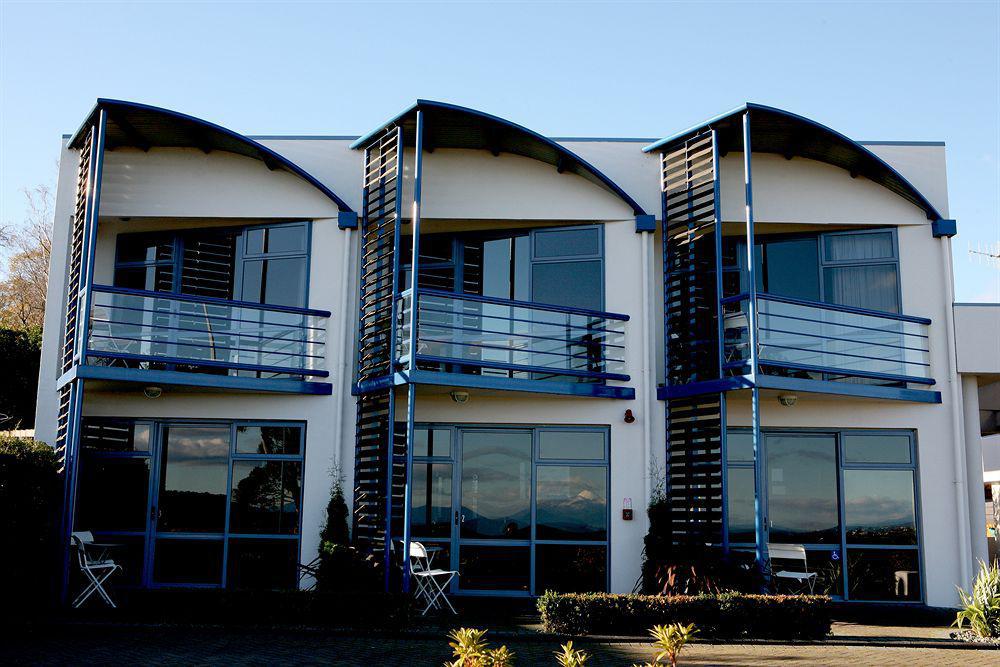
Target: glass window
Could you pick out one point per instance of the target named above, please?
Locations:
(268, 439)
(739, 446)
(828, 564)
(431, 514)
(144, 248)
(286, 238)
(883, 574)
(740, 490)
(567, 242)
(256, 564)
(572, 503)
(113, 493)
(115, 436)
(194, 479)
(858, 246)
(879, 507)
(495, 568)
(265, 497)
(792, 268)
(496, 269)
(876, 448)
(571, 568)
(496, 485)
(156, 278)
(583, 445)
(576, 284)
(432, 442)
(188, 561)
(802, 489)
(255, 241)
(280, 282)
(873, 287)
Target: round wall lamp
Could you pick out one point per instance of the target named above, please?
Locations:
(152, 392)
(788, 400)
(460, 397)
(629, 417)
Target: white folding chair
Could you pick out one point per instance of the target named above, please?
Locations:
(96, 569)
(430, 583)
(795, 557)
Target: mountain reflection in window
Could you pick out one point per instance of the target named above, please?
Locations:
(878, 507)
(572, 503)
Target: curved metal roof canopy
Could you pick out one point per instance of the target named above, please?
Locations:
(776, 131)
(144, 126)
(452, 126)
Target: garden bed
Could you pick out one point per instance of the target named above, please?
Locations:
(726, 615)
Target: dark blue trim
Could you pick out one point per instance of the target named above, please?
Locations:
(645, 223)
(546, 370)
(848, 389)
(564, 153)
(908, 187)
(525, 304)
(833, 306)
(941, 228)
(707, 387)
(265, 154)
(849, 371)
(187, 361)
(210, 300)
(178, 378)
(347, 220)
(529, 386)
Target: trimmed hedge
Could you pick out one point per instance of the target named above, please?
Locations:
(724, 615)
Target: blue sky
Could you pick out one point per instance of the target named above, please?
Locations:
(887, 70)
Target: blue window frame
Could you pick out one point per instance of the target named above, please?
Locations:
(875, 553)
(256, 542)
(564, 541)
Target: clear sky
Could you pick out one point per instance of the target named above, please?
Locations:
(884, 70)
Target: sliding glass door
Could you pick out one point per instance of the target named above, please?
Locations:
(516, 510)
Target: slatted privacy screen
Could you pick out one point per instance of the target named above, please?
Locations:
(691, 264)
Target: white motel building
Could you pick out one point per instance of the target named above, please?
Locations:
(506, 344)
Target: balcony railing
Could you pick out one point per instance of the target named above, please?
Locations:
(516, 339)
(835, 342)
(138, 328)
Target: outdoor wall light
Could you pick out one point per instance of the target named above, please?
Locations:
(152, 392)
(629, 417)
(788, 400)
(460, 397)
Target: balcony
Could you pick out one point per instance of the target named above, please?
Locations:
(155, 337)
(469, 340)
(821, 342)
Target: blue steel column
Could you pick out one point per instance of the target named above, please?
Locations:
(758, 464)
(720, 316)
(390, 444)
(411, 390)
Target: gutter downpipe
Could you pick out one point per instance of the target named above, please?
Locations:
(647, 425)
(344, 376)
(957, 418)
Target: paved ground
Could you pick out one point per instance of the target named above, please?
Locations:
(125, 645)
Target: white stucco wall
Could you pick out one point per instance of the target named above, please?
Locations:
(977, 330)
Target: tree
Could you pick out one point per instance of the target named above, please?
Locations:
(28, 248)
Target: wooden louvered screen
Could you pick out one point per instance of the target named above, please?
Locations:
(691, 306)
(77, 242)
(376, 477)
(207, 264)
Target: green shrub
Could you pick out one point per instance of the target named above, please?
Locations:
(30, 503)
(470, 649)
(345, 569)
(669, 641)
(722, 615)
(981, 608)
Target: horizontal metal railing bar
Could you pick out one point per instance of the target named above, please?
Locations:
(211, 300)
(514, 334)
(221, 318)
(241, 334)
(212, 346)
(860, 327)
(208, 362)
(501, 348)
(764, 296)
(848, 372)
(423, 308)
(515, 367)
(864, 343)
(523, 304)
(844, 354)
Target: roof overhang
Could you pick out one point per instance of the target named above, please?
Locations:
(143, 126)
(776, 131)
(451, 126)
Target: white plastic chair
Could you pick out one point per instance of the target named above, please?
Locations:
(96, 569)
(793, 555)
(430, 583)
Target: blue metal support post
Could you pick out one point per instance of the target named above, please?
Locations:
(720, 317)
(752, 333)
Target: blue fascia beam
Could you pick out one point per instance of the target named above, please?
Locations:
(527, 386)
(848, 389)
(181, 379)
(377, 384)
(734, 383)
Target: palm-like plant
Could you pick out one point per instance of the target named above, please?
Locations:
(470, 649)
(981, 608)
(669, 640)
(570, 657)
